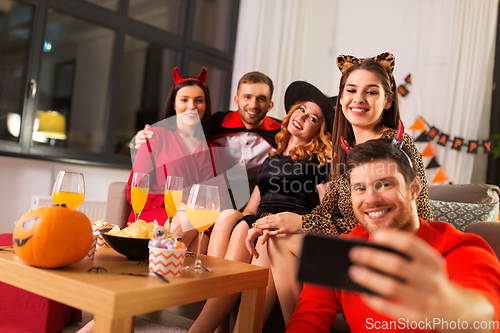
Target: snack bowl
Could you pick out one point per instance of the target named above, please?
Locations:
(132, 248)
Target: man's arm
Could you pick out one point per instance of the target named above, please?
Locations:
(419, 289)
(316, 311)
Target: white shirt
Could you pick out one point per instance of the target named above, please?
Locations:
(254, 150)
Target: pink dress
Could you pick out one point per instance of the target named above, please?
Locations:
(165, 154)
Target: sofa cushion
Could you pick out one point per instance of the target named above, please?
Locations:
(117, 208)
(460, 214)
(471, 193)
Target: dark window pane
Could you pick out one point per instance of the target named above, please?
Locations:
(215, 83)
(211, 22)
(108, 4)
(162, 14)
(15, 33)
(146, 79)
(74, 82)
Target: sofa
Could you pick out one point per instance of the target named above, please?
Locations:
(458, 204)
(462, 205)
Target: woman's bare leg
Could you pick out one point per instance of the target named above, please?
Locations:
(88, 328)
(181, 226)
(193, 247)
(221, 233)
(271, 297)
(216, 309)
(283, 256)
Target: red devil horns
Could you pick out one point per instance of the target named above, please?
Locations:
(202, 77)
(177, 76)
(399, 138)
(345, 145)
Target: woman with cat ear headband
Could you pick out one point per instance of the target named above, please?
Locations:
(367, 108)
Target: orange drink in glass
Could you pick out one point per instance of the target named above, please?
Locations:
(173, 196)
(69, 189)
(139, 192)
(202, 210)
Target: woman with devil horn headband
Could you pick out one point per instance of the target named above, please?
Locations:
(178, 148)
(367, 108)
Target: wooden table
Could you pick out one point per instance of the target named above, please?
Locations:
(116, 299)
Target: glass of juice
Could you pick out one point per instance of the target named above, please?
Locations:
(173, 197)
(202, 210)
(69, 189)
(139, 192)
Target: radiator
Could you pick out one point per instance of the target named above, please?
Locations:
(95, 210)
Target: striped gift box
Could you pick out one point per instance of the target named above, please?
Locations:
(91, 253)
(100, 240)
(166, 262)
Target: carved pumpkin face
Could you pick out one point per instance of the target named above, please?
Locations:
(52, 237)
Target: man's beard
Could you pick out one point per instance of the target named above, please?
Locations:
(403, 221)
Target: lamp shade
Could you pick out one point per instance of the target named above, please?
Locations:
(51, 124)
(14, 123)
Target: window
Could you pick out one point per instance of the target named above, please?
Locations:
(78, 78)
(15, 34)
(162, 14)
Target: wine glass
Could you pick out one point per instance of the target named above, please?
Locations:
(69, 189)
(173, 197)
(202, 210)
(139, 192)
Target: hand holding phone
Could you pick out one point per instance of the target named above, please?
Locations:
(324, 260)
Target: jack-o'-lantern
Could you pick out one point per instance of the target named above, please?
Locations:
(52, 236)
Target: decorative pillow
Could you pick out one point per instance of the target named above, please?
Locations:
(471, 193)
(460, 214)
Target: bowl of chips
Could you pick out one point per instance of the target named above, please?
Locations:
(131, 241)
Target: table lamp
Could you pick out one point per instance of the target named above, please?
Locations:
(51, 124)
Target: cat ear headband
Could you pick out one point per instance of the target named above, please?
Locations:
(202, 77)
(397, 142)
(386, 60)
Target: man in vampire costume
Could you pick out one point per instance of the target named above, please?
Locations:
(249, 132)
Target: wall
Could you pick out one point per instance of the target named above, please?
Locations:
(23, 178)
(371, 29)
(329, 28)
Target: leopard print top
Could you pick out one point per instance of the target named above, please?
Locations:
(335, 216)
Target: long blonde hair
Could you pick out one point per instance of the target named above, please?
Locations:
(319, 145)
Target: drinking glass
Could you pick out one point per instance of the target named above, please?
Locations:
(139, 192)
(202, 210)
(69, 189)
(173, 197)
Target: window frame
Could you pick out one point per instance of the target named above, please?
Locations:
(188, 50)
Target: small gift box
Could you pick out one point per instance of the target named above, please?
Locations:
(168, 263)
(100, 240)
(91, 253)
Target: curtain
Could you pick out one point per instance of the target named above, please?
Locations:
(270, 39)
(452, 75)
(451, 57)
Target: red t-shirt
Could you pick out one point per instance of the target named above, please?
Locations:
(470, 262)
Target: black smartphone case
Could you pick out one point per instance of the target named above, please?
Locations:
(324, 260)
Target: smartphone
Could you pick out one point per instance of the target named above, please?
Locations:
(324, 260)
